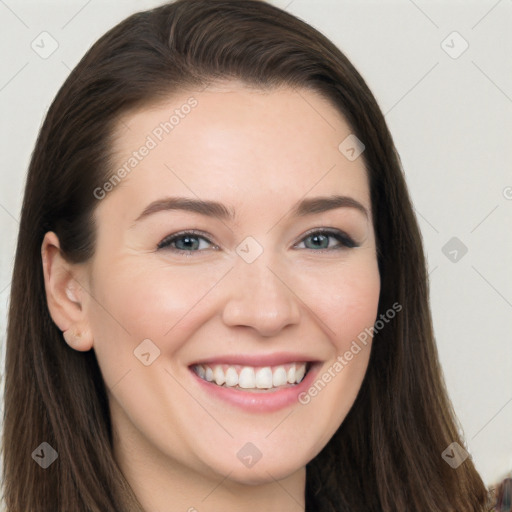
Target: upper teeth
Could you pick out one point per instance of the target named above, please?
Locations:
(248, 377)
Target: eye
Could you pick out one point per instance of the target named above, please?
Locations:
(320, 239)
(185, 242)
(190, 241)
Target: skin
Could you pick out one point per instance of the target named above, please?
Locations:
(258, 153)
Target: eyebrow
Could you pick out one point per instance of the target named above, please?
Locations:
(218, 210)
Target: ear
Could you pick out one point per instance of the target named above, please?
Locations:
(65, 295)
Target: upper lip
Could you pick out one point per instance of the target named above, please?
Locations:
(256, 359)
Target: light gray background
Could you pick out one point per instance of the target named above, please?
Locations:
(451, 122)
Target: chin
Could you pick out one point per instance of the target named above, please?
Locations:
(260, 475)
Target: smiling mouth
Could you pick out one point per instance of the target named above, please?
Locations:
(253, 378)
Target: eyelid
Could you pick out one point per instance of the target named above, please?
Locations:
(345, 241)
(335, 233)
(175, 236)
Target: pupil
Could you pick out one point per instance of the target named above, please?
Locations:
(317, 237)
(188, 241)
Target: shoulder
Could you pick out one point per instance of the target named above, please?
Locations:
(501, 495)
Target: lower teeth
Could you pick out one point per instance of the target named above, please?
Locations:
(255, 390)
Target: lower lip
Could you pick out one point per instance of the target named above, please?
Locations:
(259, 401)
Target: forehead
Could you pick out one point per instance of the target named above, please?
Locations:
(232, 142)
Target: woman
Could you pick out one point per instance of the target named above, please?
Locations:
(220, 298)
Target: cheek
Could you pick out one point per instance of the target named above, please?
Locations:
(348, 309)
(161, 299)
(154, 302)
(344, 299)
(141, 301)
(167, 303)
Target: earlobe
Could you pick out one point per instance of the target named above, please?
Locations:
(78, 340)
(64, 294)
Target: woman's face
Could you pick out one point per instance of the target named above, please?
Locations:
(256, 293)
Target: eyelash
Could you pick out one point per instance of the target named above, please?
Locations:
(345, 241)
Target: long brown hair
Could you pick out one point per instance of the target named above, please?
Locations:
(386, 456)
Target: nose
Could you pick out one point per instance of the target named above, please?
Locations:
(261, 297)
